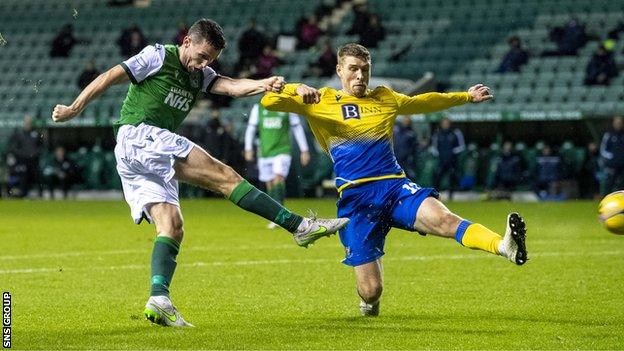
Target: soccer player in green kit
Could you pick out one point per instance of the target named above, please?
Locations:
(151, 158)
(274, 147)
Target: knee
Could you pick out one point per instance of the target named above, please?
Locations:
(173, 229)
(371, 291)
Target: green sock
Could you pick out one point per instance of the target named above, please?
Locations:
(279, 191)
(248, 197)
(163, 264)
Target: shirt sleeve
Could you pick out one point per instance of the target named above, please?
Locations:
(210, 77)
(461, 144)
(429, 102)
(145, 64)
(286, 101)
(298, 132)
(252, 124)
(604, 147)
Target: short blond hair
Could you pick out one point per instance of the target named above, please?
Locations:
(355, 50)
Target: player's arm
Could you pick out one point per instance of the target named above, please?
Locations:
(432, 102)
(250, 133)
(115, 75)
(246, 87)
(294, 98)
(299, 133)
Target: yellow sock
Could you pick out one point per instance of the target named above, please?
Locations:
(476, 236)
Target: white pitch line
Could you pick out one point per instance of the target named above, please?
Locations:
(290, 261)
(187, 249)
(146, 251)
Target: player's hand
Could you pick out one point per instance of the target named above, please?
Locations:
(248, 156)
(274, 84)
(305, 158)
(480, 93)
(310, 95)
(62, 113)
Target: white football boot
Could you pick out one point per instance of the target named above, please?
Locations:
(316, 228)
(160, 310)
(513, 242)
(368, 309)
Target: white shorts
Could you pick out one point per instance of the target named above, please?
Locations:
(269, 167)
(145, 155)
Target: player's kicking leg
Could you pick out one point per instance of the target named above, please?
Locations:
(434, 218)
(201, 169)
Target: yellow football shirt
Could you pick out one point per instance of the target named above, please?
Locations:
(357, 132)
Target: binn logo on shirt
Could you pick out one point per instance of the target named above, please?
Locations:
(350, 111)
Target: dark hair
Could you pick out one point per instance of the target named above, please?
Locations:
(353, 49)
(208, 30)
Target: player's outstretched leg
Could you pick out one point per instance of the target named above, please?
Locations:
(512, 245)
(305, 230)
(434, 218)
(201, 169)
(160, 310)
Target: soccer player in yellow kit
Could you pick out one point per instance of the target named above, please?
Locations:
(354, 125)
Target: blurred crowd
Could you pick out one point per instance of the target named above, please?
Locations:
(438, 157)
(569, 39)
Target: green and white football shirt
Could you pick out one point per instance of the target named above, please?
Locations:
(274, 132)
(162, 91)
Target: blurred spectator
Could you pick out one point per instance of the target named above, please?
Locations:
(510, 169)
(182, 32)
(588, 177)
(361, 17)
(374, 33)
(89, 73)
(64, 41)
(514, 58)
(325, 8)
(308, 34)
(266, 62)
(215, 138)
(446, 145)
(601, 68)
(24, 149)
(325, 66)
(250, 45)
(406, 145)
(119, 3)
(612, 157)
(568, 38)
(131, 41)
(548, 174)
(60, 173)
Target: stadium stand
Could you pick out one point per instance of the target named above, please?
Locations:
(450, 39)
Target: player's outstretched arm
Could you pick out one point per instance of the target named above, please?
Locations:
(432, 102)
(247, 87)
(295, 97)
(115, 75)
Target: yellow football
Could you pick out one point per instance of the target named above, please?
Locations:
(611, 212)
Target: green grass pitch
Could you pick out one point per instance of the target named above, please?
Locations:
(78, 273)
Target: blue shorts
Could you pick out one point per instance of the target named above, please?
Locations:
(373, 209)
